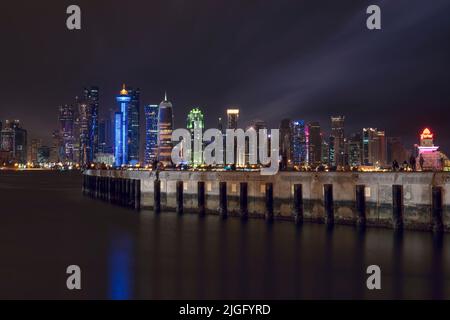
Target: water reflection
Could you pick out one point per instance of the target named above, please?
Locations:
(120, 267)
(127, 254)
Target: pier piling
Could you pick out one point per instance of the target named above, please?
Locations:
(179, 197)
(201, 197)
(223, 210)
(436, 209)
(328, 203)
(298, 203)
(397, 206)
(157, 196)
(360, 206)
(269, 202)
(243, 200)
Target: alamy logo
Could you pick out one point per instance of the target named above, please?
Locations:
(241, 147)
(73, 21)
(74, 280)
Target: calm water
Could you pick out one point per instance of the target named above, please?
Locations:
(46, 224)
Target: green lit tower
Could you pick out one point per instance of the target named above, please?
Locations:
(196, 125)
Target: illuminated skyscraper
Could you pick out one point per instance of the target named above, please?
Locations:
(337, 132)
(299, 142)
(66, 132)
(121, 123)
(286, 143)
(374, 147)
(151, 133)
(133, 115)
(14, 141)
(91, 98)
(33, 150)
(314, 144)
(196, 124)
(165, 128)
(232, 117)
(355, 150)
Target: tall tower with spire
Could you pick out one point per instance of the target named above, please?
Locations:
(165, 128)
(121, 124)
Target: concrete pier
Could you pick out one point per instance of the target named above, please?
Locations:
(409, 200)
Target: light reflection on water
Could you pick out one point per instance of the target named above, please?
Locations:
(126, 254)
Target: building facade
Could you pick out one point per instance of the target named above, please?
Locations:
(165, 129)
(151, 133)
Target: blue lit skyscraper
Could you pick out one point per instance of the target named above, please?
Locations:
(299, 142)
(151, 133)
(121, 128)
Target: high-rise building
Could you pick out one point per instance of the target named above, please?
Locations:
(256, 125)
(14, 142)
(354, 146)
(374, 148)
(396, 150)
(196, 124)
(286, 143)
(133, 125)
(33, 150)
(56, 148)
(314, 144)
(43, 154)
(232, 118)
(66, 132)
(337, 132)
(121, 123)
(151, 133)
(299, 142)
(165, 128)
(325, 152)
(91, 98)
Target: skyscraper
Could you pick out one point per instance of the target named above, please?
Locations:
(91, 98)
(314, 144)
(165, 128)
(299, 142)
(196, 124)
(286, 143)
(33, 150)
(121, 124)
(14, 142)
(355, 150)
(133, 115)
(66, 132)
(232, 118)
(337, 132)
(374, 147)
(151, 133)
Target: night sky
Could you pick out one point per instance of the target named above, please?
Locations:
(273, 59)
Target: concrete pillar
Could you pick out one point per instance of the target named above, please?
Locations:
(132, 193)
(97, 186)
(137, 194)
(179, 197)
(328, 203)
(436, 209)
(157, 196)
(110, 186)
(361, 205)
(243, 200)
(223, 209)
(201, 197)
(123, 191)
(83, 187)
(397, 206)
(269, 202)
(298, 203)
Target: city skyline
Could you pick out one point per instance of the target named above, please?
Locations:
(350, 71)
